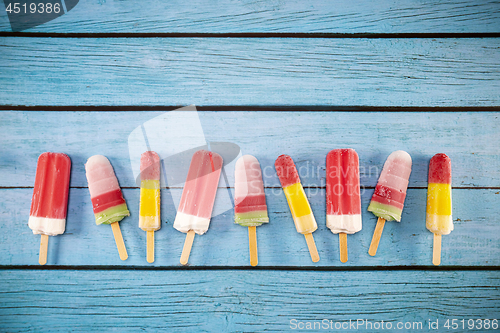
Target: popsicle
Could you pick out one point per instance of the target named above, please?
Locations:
(389, 196)
(343, 200)
(149, 208)
(250, 209)
(438, 219)
(303, 217)
(198, 196)
(49, 204)
(107, 199)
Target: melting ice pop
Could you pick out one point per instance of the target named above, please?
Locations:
(149, 209)
(438, 219)
(250, 209)
(107, 199)
(343, 200)
(302, 214)
(389, 196)
(49, 204)
(197, 200)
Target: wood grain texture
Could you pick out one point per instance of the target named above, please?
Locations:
(250, 71)
(474, 242)
(470, 139)
(205, 16)
(237, 301)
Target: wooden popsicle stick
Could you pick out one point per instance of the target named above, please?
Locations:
(376, 236)
(343, 246)
(312, 247)
(150, 246)
(436, 250)
(252, 242)
(44, 243)
(186, 250)
(120, 245)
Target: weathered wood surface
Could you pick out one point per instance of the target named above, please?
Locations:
(474, 242)
(239, 301)
(205, 16)
(266, 72)
(250, 71)
(470, 139)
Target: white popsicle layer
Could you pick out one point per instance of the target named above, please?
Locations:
(348, 224)
(185, 222)
(47, 226)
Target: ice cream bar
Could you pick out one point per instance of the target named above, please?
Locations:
(50, 194)
(439, 220)
(149, 209)
(388, 199)
(305, 223)
(303, 217)
(49, 204)
(198, 196)
(250, 209)
(389, 195)
(107, 199)
(343, 201)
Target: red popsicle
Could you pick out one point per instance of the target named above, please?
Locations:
(50, 198)
(343, 201)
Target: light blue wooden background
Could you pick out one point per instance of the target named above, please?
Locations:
(83, 94)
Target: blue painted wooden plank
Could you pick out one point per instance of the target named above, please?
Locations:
(250, 71)
(241, 301)
(470, 139)
(474, 242)
(342, 16)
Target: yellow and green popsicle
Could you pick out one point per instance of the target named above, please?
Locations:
(438, 218)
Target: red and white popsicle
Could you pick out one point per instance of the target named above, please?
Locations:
(49, 204)
(343, 200)
(198, 197)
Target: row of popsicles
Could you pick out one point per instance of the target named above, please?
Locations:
(343, 202)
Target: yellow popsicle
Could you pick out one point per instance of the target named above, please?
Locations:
(439, 219)
(300, 208)
(149, 211)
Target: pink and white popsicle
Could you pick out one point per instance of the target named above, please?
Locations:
(389, 196)
(250, 209)
(107, 199)
(198, 197)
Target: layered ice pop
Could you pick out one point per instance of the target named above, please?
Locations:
(49, 204)
(343, 200)
(438, 218)
(303, 217)
(107, 200)
(198, 197)
(149, 208)
(388, 199)
(250, 209)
